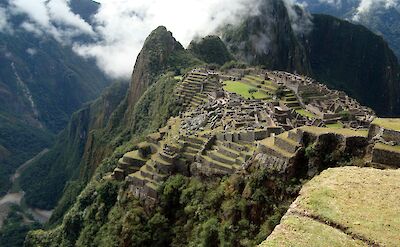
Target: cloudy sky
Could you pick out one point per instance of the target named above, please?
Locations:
(121, 26)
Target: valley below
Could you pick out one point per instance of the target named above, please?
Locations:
(16, 195)
(281, 128)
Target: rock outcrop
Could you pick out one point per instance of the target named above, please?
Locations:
(326, 48)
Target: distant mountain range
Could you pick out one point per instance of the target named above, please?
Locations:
(42, 82)
(382, 17)
(343, 55)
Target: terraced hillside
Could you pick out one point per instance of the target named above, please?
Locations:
(226, 162)
(346, 206)
(222, 127)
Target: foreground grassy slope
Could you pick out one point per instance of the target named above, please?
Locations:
(341, 205)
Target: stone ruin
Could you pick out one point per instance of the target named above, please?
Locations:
(220, 131)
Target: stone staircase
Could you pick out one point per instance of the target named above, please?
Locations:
(225, 157)
(194, 88)
(132, 161)
(193, 145)
(145, 182)
(291, 100)
(281, 150)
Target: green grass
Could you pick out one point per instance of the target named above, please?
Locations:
(243, 90)
(342, 131)
(337, 125)
(306, 113)
(266, 85)
(387, 147)
(178, 78)
(364, 200)
(388, 123)
(303, 232)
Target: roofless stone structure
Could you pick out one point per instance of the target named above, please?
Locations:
(238, 115)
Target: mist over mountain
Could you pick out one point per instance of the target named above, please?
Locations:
(381, 16)
(231, 107)
(42, 82)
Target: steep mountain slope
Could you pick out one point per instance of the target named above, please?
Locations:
(160, 52)
(382, 18)
(42, 82)
(350, 58)
(336, 52)
(240, 210)
(210, 49)
(44, 181)
(147, 104)
(268, 39)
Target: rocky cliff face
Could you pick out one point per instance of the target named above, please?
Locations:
(44, 181)
(211, 50)
(102, 127)
(150, 63)
(351, 58)
(268, 39)
(342, 55)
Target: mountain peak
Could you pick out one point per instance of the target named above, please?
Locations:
(151, 61)
(210, 49)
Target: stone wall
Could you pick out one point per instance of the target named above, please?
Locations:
(386, 157)
(391, 135)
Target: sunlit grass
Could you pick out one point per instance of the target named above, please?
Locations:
(388, 123)
(306, 113)
(243, 90)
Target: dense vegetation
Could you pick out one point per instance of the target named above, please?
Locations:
(237, 210)
(355, 69)
(18, 143)
(36, 99)
(44, 180)
(383, 20)
(343, 55)
(231, 211)
(211, 49)
(16, 226)
(267, 39)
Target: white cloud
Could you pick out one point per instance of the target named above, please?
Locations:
(60, 13)
(123, 25)
(31, 51)
(51, 16)
(299, 18)
(3, 20)
(367, 6)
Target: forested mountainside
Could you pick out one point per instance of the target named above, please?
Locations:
(208, 210)
(160, 53)
(336, 52)
(344, 56)
(211, 50)
(381, 17)
(42, 82)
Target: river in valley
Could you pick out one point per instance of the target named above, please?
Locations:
(16, 197)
